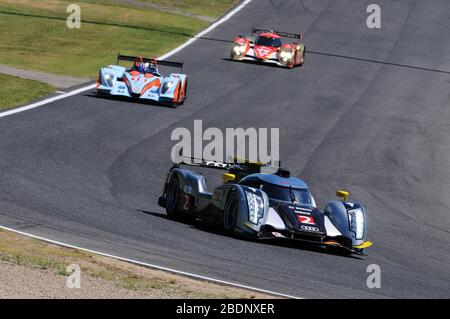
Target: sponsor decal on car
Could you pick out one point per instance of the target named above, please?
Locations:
(187, 189)
(277, 234)
(301, 210)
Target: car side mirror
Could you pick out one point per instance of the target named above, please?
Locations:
(228, 177)
(342, 194)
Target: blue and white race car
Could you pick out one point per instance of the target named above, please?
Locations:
(143, 81)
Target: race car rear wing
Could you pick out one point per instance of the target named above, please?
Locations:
(298, 36)
(239, 166)
(191, 161)
(146, 60)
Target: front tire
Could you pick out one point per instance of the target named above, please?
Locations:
(230, 213)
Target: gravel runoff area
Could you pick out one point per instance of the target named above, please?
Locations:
(31, 268)
(57, 81)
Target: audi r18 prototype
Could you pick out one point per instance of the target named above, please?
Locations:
(143, 81)
(264, 205)
(267, 46)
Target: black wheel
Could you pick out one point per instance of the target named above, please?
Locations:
(230, 213)
(173, 196)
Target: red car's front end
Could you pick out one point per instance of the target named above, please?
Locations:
(268, 48)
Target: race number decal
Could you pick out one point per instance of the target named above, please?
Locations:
(306, 220)
(186, 202)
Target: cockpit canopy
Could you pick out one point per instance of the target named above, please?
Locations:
(268, 41)
(279, 188)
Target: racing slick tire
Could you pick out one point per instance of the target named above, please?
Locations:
(230, 213)
(173, 197)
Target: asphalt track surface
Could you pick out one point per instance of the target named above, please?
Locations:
(369, 111)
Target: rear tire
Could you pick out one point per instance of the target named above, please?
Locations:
(230, 213)
(173, 196)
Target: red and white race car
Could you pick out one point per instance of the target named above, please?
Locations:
(267, 46)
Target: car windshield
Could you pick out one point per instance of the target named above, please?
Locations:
(287, 193)
(151, 69)
(268, 42)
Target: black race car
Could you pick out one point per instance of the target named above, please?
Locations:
(264, 205)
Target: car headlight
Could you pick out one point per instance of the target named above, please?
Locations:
(239, 48)
(255, 207)
(108, 79)
(166, 86)
(356, 219)
(286, 55)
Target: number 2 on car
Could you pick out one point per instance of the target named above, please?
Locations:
(186, 201)
(306, 220)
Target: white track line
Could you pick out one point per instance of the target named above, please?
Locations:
(89, 87)
(46, 101)
(165, 56)
(210, 28)
(178, 272)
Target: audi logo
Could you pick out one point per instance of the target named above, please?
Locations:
(310, 228)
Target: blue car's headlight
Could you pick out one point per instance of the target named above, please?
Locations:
(356, 219)
(108, 79)
(167, 85)
(255, 207)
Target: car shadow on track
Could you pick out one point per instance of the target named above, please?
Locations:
(129, 100)
(269, 65)
(202, 226)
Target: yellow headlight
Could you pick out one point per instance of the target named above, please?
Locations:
(239, 48)
(286, 54)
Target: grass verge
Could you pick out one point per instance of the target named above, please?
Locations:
(16, 91)
(51, 262)
(209, 8)
(35, 35)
